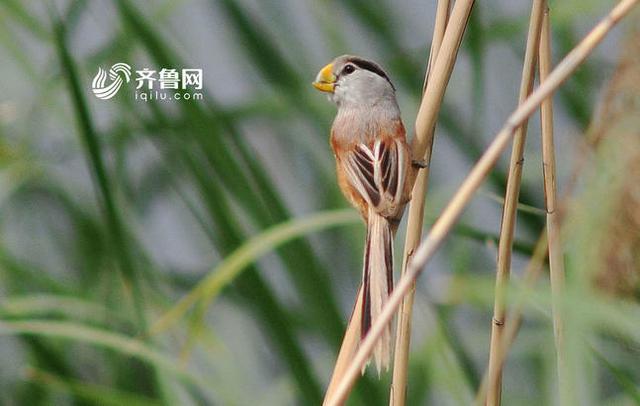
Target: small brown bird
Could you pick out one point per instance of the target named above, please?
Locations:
(374, 170)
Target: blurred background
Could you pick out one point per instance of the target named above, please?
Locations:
(199, 251)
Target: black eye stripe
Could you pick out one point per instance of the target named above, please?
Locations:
(371, 67)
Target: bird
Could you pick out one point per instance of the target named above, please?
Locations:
(374, 172)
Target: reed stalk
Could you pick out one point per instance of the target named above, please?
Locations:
(439, 77)
(398, 390)
(531, 275)
(507, 228)
(556, 262)
(348, 347)
(469, 187)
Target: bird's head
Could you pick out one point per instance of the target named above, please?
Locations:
(353, 81)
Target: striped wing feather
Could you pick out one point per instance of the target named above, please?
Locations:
(378, 173)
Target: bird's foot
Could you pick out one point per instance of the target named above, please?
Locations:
(419, 163)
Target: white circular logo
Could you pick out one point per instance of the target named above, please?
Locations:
(116, 74)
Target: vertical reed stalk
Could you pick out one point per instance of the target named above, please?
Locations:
(556, 263)
(531, 275)
(509, 212)
(439, 77)
(398, 390)
(470, 186)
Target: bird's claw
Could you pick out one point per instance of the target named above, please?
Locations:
(419, 163)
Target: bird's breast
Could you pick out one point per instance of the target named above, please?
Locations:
(364, 125)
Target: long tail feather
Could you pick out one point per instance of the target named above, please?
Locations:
(377, 283)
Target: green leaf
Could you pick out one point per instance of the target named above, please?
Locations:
(96, 394)
(224, 273)
(101, 338)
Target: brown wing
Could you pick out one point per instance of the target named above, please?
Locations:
(379, 173)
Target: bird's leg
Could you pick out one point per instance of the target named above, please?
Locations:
(419, 163)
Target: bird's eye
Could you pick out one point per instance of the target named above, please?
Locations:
(348, 69)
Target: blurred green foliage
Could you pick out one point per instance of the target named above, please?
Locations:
(84, 276)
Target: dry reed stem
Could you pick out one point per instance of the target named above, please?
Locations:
(531, 275)
(463, 195)
(438, 79)
(398, 392)
(509, 211)
(440, 24)
(347, 348)
(556, 263)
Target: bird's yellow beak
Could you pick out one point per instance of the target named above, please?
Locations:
(326, 80)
